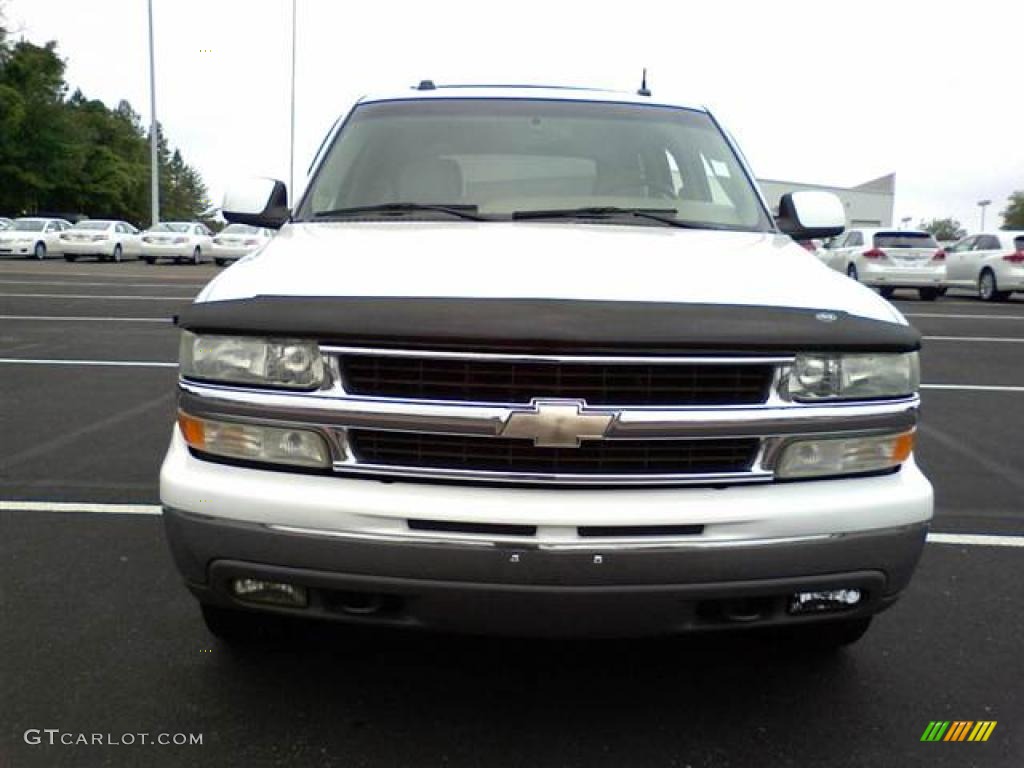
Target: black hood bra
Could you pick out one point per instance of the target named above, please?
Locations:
(550, 326)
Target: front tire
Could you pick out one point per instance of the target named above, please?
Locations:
(988, 289)
(851, 272)
(149, 260)
(117, 253)
(929, 294)
(39, 252)
(197, 257)
(886, 293)
(70, 257)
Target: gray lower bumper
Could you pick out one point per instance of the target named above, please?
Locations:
(519, 590)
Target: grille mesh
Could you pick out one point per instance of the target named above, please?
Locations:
(520, 382)
(603, 457)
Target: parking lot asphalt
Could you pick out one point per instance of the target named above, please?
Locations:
(99, 636)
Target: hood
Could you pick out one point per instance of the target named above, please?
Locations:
(557, 260)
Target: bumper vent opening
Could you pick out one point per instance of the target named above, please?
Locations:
(625, 531)
(479, 529)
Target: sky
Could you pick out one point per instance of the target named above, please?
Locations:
(819, 92)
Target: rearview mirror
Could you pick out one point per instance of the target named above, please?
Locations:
(259, 202)
(811, 214)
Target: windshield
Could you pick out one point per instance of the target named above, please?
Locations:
(508, 156)
(28, 225)
(240, 229)
(92, 225)
(169, 226)
(905, 240)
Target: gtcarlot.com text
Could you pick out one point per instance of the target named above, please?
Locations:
(55, 737)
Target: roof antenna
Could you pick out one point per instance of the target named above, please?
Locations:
(644, 91)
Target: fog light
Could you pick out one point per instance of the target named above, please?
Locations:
(825, 600)
(272, 592)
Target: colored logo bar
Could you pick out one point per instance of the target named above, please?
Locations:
(958, 730)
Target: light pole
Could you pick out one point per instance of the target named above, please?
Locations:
(154, 171)
(983, 204)
(291, 151)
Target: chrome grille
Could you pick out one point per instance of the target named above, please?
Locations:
(598, 457)
(521, 381)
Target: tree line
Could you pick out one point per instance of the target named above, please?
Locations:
(69, 155)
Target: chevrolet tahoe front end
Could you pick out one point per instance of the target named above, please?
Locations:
(442, 398)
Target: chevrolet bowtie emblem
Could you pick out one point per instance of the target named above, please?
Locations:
(558, 424)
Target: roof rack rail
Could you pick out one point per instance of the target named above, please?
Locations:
(429, 85)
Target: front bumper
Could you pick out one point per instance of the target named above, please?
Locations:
(508, 589)
(343, 537)
(16, 249)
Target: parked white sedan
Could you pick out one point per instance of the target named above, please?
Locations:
(236, 241)
(180, 241)
(33, 237)
(888, 259)
(104, 239)
(991, 262)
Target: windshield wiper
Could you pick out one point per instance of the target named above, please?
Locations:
(598, 212)
(460, 211)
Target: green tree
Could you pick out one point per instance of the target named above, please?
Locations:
(944, 229)
(74, 155)
(1013, 214)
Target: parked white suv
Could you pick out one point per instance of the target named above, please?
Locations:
(535, 361)
(991, 262)
(889, 259)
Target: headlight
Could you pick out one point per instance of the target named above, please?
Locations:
(287, 363)
(852, 377)
(253, 442)
(819, 457)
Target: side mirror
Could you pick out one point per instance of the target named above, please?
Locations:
(811, 214)
(260, 202)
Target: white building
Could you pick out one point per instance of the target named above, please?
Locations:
(867, 205)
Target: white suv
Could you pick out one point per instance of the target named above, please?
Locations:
(537, 361)
(990, 262)
(889, 259)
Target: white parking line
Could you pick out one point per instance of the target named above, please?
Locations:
(966, 539)
(976, 539)
(982, 339)
(149, 273)
(55, 506)
(111, 363)
(69, 318)
(83, 283)
(963, 317)
(972, 387)
(93, 296)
